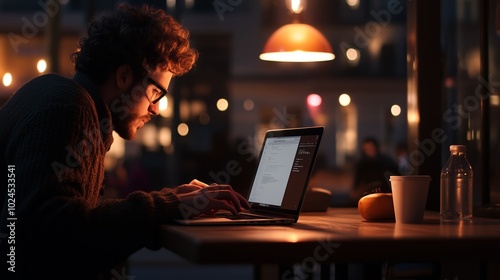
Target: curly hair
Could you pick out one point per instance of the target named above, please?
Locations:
(142, 37)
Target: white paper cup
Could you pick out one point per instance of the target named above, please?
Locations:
(409, 196)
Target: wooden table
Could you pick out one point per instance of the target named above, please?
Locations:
(338, 236)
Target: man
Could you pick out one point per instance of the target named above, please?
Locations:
(54, 134)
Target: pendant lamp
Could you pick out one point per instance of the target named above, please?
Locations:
(297, 42)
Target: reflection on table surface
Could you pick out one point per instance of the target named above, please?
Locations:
(342, 232)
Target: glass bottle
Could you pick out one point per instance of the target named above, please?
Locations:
(456, 186)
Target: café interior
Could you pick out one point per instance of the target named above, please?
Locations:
(394, 70)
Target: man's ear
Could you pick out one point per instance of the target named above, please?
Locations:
(124, 77)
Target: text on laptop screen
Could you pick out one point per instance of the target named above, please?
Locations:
(282, 171)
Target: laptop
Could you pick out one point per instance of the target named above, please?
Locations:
(280, 182)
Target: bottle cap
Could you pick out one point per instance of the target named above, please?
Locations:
(458, 148)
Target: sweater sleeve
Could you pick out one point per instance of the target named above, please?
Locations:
(61, 229)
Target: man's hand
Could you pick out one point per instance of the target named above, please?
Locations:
(194, 185)
(208, 199)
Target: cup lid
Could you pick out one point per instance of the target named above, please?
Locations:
(409, 177)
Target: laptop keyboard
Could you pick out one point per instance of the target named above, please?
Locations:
(240, 216)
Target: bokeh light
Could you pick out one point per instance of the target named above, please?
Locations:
(395, 110)
(7, 79)
(183, 129)
(41, 66)
(353, 3)
(344, 99)
(204, 118)
(248, 104)
(222, 104)
(314, 100)
(165, 136)
(352, 54)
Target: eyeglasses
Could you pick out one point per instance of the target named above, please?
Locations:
(156, 95)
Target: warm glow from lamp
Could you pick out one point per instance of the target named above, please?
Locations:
(297, 42)
(296, 6)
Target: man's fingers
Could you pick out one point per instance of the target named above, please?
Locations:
(212, 198)
(222, 204)
(183, 189)
(243, 200)
(215, 188)
(198, 183)
(224, 195)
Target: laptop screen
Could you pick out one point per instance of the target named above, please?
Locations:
(285, 164)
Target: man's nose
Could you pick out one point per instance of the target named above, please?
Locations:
(154, 109)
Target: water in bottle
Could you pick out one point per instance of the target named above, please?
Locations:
(456, 186)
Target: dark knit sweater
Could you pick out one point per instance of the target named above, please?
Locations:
(56, 132)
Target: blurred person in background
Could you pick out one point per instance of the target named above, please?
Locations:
(372, 170)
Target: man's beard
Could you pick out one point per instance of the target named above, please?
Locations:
(125, 120)
(123, 127)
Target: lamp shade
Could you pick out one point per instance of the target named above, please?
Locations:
(297, 42)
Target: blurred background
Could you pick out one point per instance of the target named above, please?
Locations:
(211, 124)
(231, 96)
